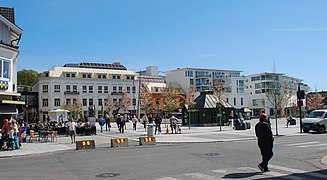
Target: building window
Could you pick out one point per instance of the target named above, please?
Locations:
(4, 69)
(99, 89)
(99, 102)
(188, 73)
(84, 102)
(120, 90)
(157, 102)
(84, 89)
(73, 75)
(114, 89)
(74, 88)
(256, 78)
(45, 102)
(241, 101)
(90, 102)
(134, 102)
(67, 88)
(133, 89)
(234, 101)
(56, 88)
(128, 89)
(67, 101)
(102, 76)
(45, 88)
(156, 89)
(68, 75)
(192, 82)
(87, 76)
(227, 100)
(105, 89)
(56, 102)
(90, 89)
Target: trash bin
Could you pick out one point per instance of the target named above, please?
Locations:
(150, 130)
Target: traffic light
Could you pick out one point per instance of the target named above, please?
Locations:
(300, 94)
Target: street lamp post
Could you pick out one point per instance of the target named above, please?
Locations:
(138, 96)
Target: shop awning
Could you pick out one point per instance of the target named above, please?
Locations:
(8, 109)
(12, 102)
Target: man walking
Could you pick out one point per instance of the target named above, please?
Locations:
(158, 120)
(107, 120)
(265, 141)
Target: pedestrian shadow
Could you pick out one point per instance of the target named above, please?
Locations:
(241, 175)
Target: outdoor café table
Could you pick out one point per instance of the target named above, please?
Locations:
(44, 135)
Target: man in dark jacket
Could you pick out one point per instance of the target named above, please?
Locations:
(265, 141)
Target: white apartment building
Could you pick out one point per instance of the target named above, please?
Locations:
(202, 80)
(10, 35)
(90, 83)
(258, 85)
(240, 91)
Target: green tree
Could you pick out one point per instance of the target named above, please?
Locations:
(171, 98)
(145, 99)
(25, 79)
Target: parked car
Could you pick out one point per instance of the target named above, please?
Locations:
(316, 121)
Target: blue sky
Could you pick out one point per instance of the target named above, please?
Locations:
(242, 35)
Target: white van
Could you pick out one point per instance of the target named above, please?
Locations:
(316, 120)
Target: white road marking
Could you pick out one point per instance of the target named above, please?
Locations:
(313, 145)
(285, 176)
(167, 178)
(297, 171)
(304, 143)
(201, 176)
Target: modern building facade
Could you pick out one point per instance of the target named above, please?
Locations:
(89, 83)
(250, 92)
(203, 79)
(262, 89)
(10, 35)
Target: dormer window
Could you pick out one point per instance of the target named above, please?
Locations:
(87, 76)
(102, 76)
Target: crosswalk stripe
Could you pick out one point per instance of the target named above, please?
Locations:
(313, 145)
(322, 148)
(201, 176)
(299, 144)
(167, 178)
(296, 171)
(286, 169)
(285, 176)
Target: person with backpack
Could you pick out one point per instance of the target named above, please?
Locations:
(101, 123)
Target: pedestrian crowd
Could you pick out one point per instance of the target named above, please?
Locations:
(10, 135)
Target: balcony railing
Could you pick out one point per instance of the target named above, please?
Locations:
(71, 92)
(116, 93)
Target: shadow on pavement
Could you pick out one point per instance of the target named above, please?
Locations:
(241, 175)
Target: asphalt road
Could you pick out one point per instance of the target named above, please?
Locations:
(296, 157)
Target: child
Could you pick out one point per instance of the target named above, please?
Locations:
(10, 143)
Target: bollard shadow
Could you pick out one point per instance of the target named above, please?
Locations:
(241, 175)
